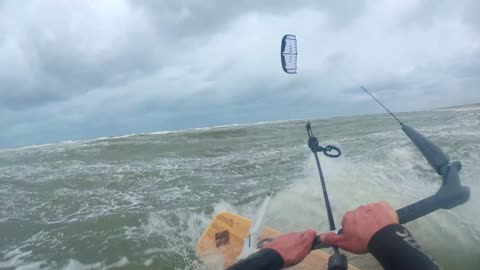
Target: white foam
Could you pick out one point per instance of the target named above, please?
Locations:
(174, 193)
(473, 108)
(222, 127)
(103, 138)
(148, 262)
(120, 263)
(30, 266)
(77, 265)
(14, 258)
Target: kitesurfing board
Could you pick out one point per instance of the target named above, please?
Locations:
(223, 240)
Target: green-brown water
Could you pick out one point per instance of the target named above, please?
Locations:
(142, 201)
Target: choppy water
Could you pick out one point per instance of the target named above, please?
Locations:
(142, 201)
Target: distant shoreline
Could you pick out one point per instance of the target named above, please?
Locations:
(466, 107)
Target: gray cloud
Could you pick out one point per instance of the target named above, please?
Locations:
(50, 57)
(76, 69)
(196, 18)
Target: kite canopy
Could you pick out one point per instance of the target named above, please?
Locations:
(289, 54)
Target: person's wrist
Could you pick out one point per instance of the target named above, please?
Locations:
(372, 242)
(374, 232)
(273, 255)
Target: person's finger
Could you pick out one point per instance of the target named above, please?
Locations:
(305, 246)
(361, 208)
(331, 238)
(349, 245)
(307, 240)
(384, 204)
(389, 209)
(347, 217)
(363, 213)
(309, 235)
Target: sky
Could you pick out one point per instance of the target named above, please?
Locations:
(82, 69)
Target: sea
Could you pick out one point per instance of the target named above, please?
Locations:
(142, 201)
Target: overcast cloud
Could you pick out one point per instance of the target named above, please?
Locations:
(83, 69)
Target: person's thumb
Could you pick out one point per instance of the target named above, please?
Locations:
(331, 238)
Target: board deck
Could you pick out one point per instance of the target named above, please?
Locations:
(223, 239)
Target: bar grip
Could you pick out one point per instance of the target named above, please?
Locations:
(317, 243)
(450, 194)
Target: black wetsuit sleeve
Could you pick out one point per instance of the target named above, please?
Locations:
(395, 249)
(264, 259)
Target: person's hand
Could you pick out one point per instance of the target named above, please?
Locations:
(293, 247)
(360, 225)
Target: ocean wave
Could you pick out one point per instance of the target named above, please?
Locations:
(148, 198)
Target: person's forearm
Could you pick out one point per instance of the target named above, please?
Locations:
(394, 247)
(264, 259)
